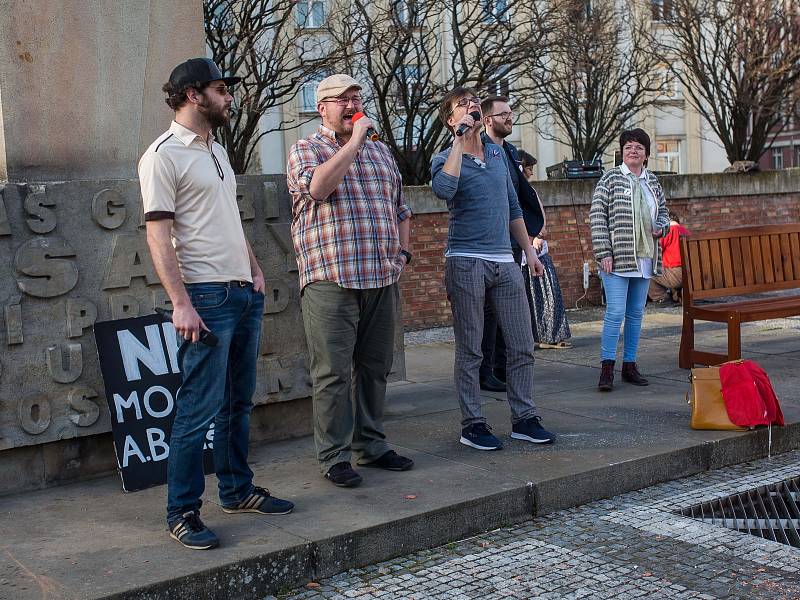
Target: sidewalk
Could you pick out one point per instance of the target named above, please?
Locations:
(89, 540)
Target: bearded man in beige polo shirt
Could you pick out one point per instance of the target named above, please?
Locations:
(195, 236)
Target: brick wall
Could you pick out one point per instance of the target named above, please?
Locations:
(705, 202)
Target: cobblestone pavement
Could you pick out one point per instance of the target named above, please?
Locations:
(631, 546)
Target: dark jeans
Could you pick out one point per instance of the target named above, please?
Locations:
(218, 385)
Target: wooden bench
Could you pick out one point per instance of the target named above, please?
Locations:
(737, 262)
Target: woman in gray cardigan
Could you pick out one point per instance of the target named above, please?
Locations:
(627, 216)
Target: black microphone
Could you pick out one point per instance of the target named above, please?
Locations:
(463, 127)
(206, 337)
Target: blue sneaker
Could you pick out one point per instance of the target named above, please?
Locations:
(190, 531)
(260, 501)
(479, 436)
(531, 430)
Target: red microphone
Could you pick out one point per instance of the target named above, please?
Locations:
(371, 133)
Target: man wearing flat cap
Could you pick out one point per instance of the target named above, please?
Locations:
(350, 228)
(207, 267)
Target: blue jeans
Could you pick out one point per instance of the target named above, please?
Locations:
(218, 385)
(625, 299)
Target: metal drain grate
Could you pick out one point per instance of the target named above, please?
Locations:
(771, 512)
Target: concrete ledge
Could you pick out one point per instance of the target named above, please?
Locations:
(287, 568)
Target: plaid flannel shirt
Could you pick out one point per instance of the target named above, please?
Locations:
(350, 237)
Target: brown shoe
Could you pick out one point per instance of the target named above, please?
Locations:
(631, 374)
(606, 383)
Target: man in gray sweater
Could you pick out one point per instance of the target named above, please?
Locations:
(472, 176)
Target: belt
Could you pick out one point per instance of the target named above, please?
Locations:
(227, 284)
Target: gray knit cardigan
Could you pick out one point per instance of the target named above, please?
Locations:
(611, 220)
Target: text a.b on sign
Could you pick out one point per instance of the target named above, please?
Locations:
(139, 364)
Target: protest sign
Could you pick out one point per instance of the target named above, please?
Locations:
(139, 363)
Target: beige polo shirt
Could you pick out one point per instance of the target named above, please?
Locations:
(184, 180)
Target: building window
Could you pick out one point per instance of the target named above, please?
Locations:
(310, 13)
(495, 10)
(777, 158)
(670, 85)
(408, 82)
(308, 93)
(662, 10)
(408, 12)
(499, 84)
(796, 156)
(668, 156)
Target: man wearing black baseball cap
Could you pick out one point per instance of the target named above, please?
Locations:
(207, 267)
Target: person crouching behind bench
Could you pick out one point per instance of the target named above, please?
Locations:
(207, 267)
(472, 177)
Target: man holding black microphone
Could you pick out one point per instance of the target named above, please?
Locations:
(207, 267)
(472, 176)
(350, 228)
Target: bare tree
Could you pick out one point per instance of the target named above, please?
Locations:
(267, 44)
(410, 52)
(598, 76)
(738, 62)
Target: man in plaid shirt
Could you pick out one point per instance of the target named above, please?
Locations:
(350, 228)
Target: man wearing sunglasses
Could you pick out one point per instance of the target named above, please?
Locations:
(350, 228)
(207, 267)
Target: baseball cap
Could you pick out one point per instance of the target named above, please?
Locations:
(198, 70)
(335, 85)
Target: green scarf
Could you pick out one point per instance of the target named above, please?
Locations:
(645, 246)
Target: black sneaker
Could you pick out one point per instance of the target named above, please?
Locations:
(479, 436)
(190, 531)
(490, 383)
(531, 430)
(391, 461)
(262, 502)
(343, 475)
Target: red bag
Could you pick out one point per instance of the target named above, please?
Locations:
(748, 394)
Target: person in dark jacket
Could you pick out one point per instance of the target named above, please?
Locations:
(498, 119)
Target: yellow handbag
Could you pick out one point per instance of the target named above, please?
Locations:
(705, 397)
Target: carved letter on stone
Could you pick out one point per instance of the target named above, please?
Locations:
(108, 209)
(5, 226)
(129, 258)
(276, 296)
(69, 372)
(160, 299)
(36, 203)
(13, 316)
(123, 306)
(45, 261)
(85, 411)
(33, 413)
(247, 211)
(81, 313)
(271, 200)
(282, 234)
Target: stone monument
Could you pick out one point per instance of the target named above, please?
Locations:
(80, 99)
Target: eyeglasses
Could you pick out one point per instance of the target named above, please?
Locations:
(509, 114)
(223, 89)
(356, 100)
(465, 102)
(633, 148)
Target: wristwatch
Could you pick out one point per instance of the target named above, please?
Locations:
(408, 255)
